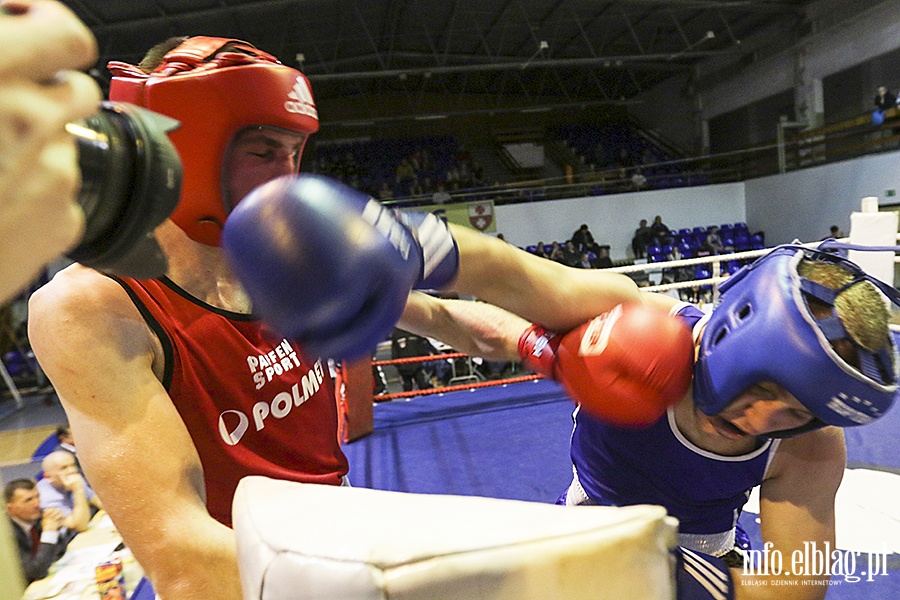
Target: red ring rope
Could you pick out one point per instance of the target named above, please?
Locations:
(412, 359)
(447, 388)
(455, 388)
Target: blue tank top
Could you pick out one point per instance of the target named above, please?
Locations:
(658, 465)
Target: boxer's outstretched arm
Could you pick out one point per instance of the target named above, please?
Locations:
(540, 290)
(476, 328)
(134, 448)
(338, 267)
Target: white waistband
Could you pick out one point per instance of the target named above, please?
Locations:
(715, 544)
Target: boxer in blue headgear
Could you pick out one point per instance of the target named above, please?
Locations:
(799, 344)
(776, 324)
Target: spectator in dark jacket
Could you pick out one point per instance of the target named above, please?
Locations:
(40, 535)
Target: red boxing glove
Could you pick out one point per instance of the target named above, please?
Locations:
(627, 366)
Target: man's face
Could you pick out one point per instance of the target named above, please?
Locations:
(764, 408)
(59, 469)
(25, 505)
(257, 155)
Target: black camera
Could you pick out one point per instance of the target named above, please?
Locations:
(131, 182)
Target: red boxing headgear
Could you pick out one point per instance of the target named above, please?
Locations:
(214, 95)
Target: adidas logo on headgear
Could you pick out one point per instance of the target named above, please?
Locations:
(300, 100)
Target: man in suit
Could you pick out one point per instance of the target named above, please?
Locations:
(40, 535)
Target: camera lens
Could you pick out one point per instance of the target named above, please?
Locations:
(131, 181)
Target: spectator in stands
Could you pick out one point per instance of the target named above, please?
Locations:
(477, 174)
(638, 180)
(835, 233)
(660, 231)
(585, 261)
(453, 179)
(713, 242)
(603, 261)
(556, 252)
(541, 250)
(66, 442)
(441, 196)
(570, 255)
(40, 535)
(404, 173)
(64, 438)
(673, 293)
(884, 99)
(583, 239)
(404, 345)
(643, 235)
(64, 488)
(624, 161)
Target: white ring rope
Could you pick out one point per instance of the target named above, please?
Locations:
(715, 260)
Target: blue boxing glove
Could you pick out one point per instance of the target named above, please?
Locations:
(699, 576)
(329, 266)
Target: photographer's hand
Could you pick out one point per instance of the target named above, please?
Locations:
(40, 41)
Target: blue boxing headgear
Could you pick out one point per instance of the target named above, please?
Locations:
(763, 330)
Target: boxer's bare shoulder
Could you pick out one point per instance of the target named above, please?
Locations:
(78, 289)
(82, 313)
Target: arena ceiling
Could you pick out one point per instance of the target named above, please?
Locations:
(530, 54)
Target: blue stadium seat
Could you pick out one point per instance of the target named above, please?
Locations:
(757, 241)
(731, 267)
(45, 448)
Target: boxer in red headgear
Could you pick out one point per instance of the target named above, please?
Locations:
(174, 389)
(215, 87)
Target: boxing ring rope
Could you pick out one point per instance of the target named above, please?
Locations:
(446, 388)
(413, 359)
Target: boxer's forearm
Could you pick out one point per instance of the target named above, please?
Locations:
(198, 569)
(476, 328)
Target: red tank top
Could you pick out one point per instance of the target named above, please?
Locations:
(252, 403)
